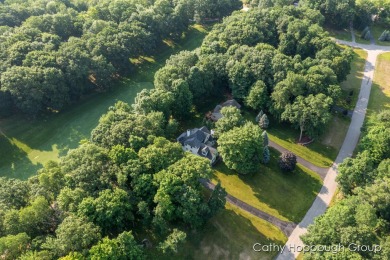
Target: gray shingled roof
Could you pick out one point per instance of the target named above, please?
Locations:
(216, 115)
(196, 138)
(231, 103)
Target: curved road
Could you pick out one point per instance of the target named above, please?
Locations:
(329, 187)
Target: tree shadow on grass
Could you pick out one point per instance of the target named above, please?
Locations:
(14, 162)
(228, 235)
(289, 193)
(54, 134)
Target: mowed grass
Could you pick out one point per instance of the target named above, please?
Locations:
(343, 34)
(323, 151)
(377, 30)
(26, 145)
(335, 132)
(228, 235)
(354, 79)
(286, 196)
(286, 136)
(338, 127)
(317, 153)
(380, 92)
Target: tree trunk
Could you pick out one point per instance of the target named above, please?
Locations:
(300, 137)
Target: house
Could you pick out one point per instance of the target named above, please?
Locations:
(199, 141)
(216, 114)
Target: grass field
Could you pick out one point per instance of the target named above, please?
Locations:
(344, 34)
(286, 196)
(228, 235)
(376, 31)
(337, 129)
(285, 135)
(316, 152)
(335, 133)
(354, 79)
(26, 145)
(380, 92)
(323, 151)
(359, 39)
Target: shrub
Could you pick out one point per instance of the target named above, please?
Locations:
(287, 161)
(264, 122)
(266, 155)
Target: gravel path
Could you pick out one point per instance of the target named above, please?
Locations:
(329, 187)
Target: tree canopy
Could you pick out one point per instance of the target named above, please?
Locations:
(362, 216)
(242, 148)
(53, 52)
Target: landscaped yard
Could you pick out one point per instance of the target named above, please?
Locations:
(27, 144)
(316, 152)
(323, 151)
(376, 31)
(359, 39)
(284, 195)
(338, 128)
(229, 235)
(380, 92)
(344, 34)
(335, 133)
(354, 79)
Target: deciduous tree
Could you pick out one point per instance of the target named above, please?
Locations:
(241, 148)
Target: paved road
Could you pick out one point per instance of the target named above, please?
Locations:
(329, 187)
(286, 227)
(321, 171)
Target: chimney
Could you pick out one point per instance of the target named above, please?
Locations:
(188, 133)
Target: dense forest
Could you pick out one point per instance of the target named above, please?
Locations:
(362, 217)
(340, 14)
(53, 52)
(284, 64)
(130, 189)
(130, 182)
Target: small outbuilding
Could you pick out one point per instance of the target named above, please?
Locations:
(216, 114)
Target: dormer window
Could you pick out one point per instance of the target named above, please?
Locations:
(205, 151)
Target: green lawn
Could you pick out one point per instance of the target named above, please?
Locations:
(344, 34)
(316, 152)
(286, 136)
(286, 196)
(358, 37)
(380, 93)
(335, 132)
(323, 151)
(229, 235)
(25, 145)
(354, 80)
(338, 127)
(376, 31)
